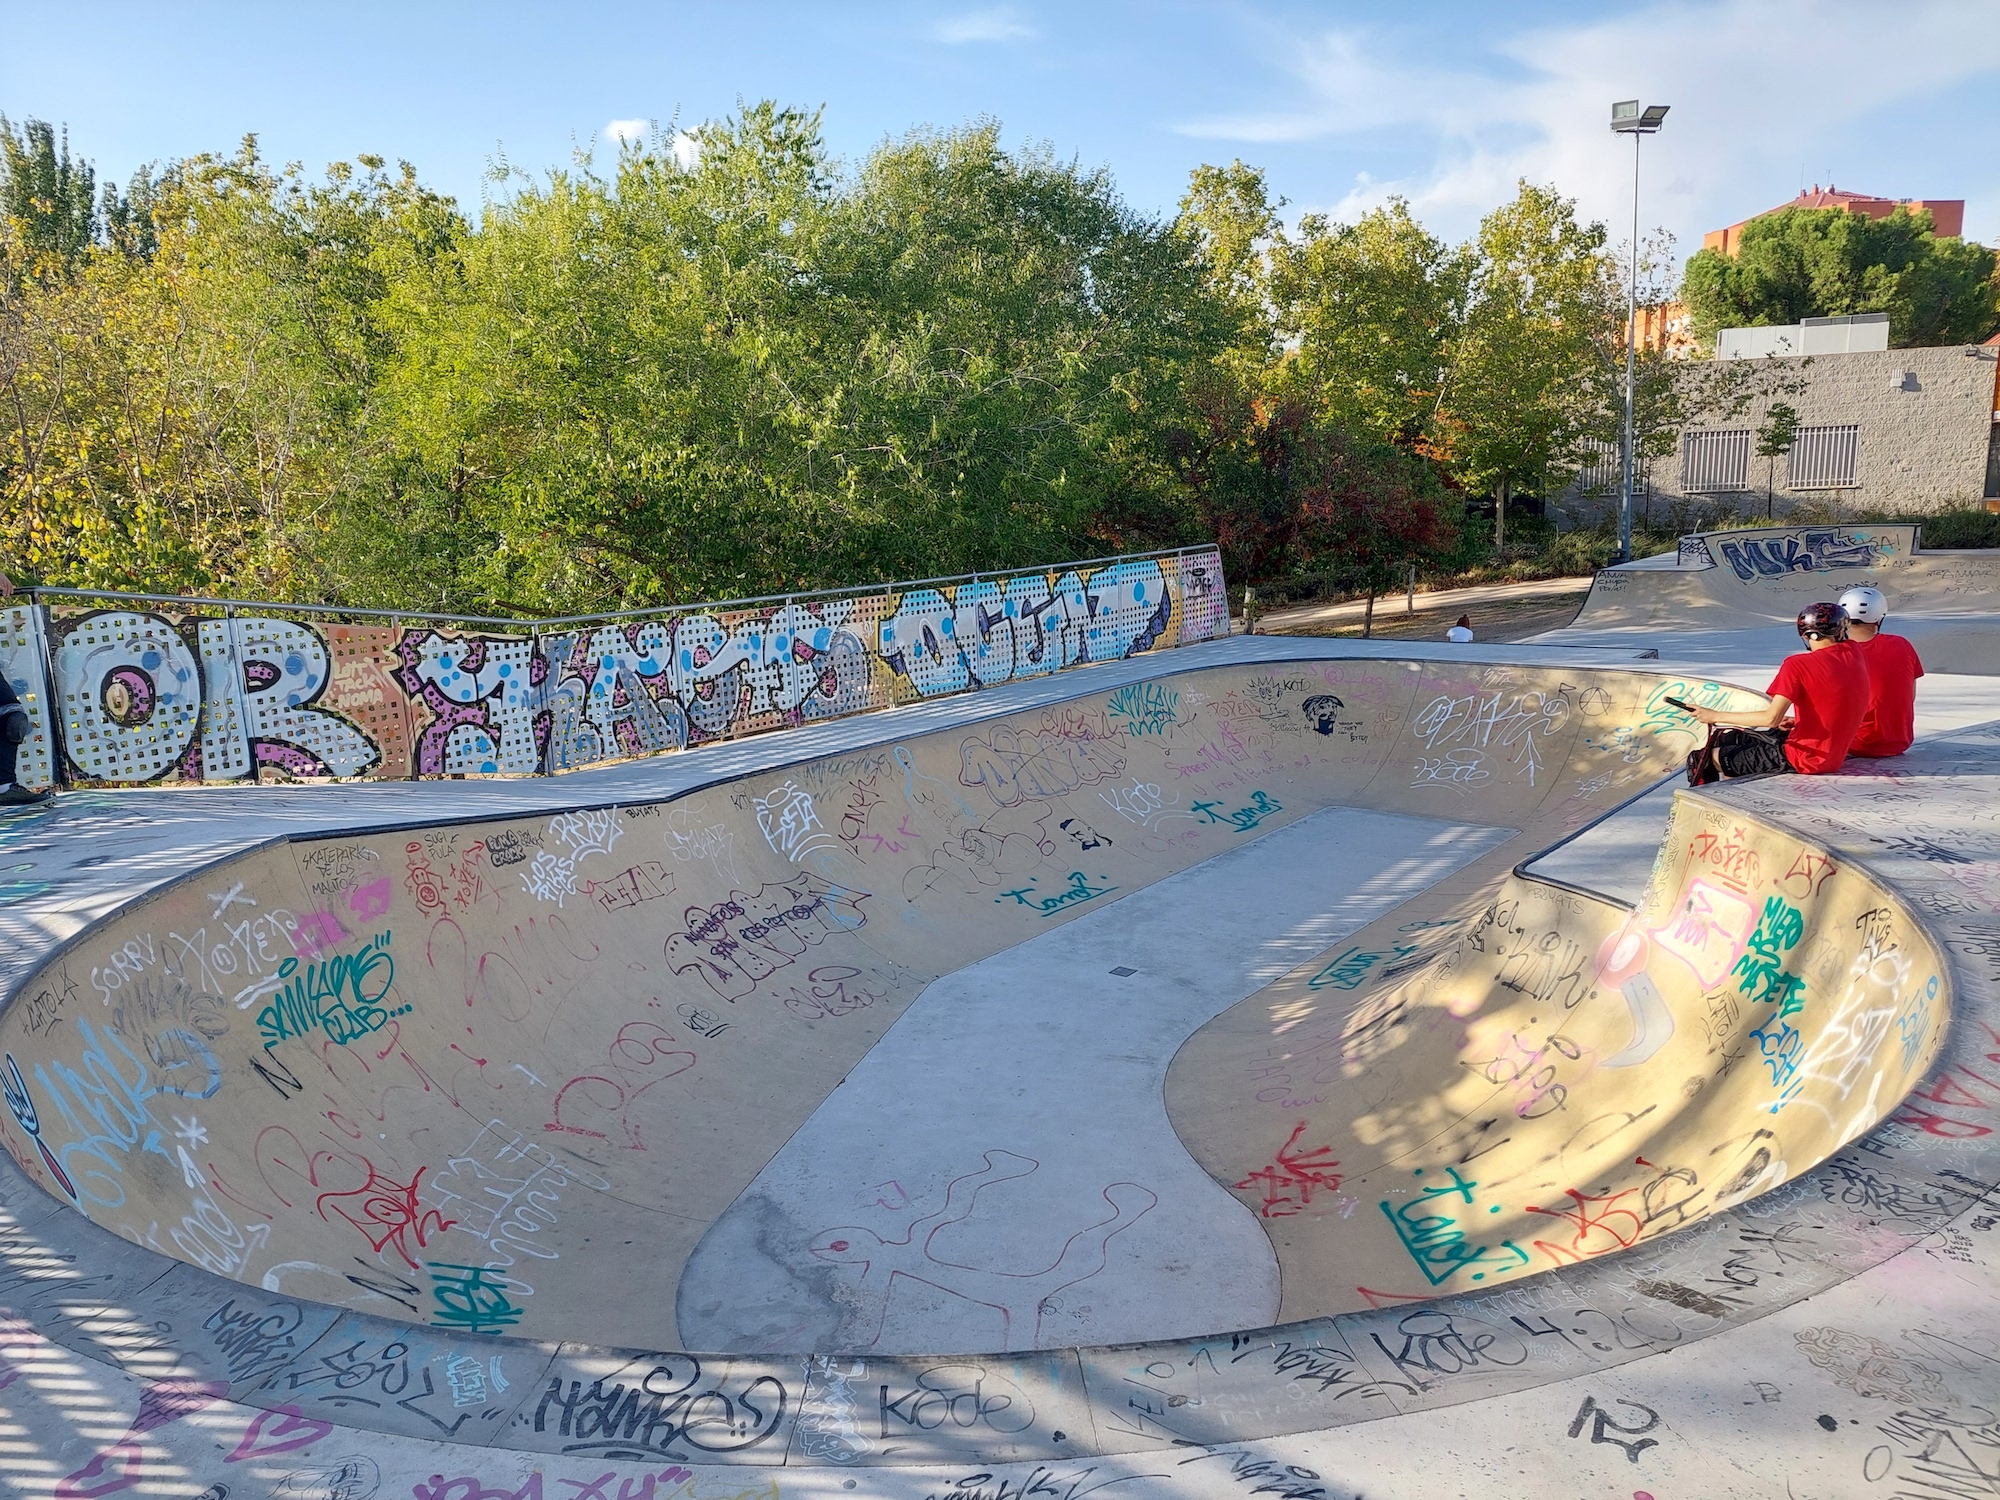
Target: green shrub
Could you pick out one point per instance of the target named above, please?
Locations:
(1962, 528)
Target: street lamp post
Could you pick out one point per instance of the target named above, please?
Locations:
(1627, 118)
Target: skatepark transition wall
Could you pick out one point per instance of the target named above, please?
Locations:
(1762, 576)
(472, 1078)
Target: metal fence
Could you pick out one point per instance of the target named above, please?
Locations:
(141, 688)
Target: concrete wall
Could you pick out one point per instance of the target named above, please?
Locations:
(1800, 998)
(1925, 417)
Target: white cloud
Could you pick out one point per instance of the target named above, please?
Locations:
(685, 149)
(1000, 23)
(1757, 88)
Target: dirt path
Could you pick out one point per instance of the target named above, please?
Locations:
(1506, 612)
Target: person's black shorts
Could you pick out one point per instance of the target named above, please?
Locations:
(1730, 753)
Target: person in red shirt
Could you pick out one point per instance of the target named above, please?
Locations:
(1825, 690)
(1893, 669)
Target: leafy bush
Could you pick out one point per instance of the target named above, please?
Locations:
(1962, 528)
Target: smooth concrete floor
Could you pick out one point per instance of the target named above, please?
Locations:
(999, 1172)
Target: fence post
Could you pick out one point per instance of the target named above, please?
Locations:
(1410, 607)
(409, 728)
(238, 705)
(534, 652)
(51, 695)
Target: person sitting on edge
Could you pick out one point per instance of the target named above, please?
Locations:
(1893, 669)
(15, 727)
(1462, 631)
(1825, 689)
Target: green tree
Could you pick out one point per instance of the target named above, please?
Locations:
(198, 419)
(1229, 214)
(749, 374)
(1776, 437)
(1372, 309)
(1831, 262)
(49, 195)
(1527, 380)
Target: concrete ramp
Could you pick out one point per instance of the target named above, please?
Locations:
(869, 1054)
(1740, 590)
(1176, 1080)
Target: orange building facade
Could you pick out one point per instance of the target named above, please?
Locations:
(1947, 214)
(1665, 327)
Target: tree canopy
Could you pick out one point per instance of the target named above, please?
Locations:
(1831, 262)
(724, 363)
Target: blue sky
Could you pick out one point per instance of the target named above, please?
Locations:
(1446, 103)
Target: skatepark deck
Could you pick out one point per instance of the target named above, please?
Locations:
(1188, 1074)
(1734, 594)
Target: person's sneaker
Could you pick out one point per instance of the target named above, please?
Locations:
(16, 795)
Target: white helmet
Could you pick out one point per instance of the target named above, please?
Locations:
(1865, 605)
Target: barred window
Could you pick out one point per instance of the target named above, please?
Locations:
(1714, 462)
(1603, 469)
(1823, 458)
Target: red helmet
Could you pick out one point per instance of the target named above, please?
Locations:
(1829, 620)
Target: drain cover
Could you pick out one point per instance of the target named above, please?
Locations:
(1124, 973)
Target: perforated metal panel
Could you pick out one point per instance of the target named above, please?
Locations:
(23, 661)
(131, 695)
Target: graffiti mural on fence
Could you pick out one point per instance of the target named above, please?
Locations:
(150, 694)
(993, 631)
(1819, 549)
(22, 651)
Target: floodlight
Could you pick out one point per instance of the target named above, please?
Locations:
(1627, 118)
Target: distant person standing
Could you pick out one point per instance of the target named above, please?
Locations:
(15, 727)
(1462, 631)
(1893, 669)
(1824, 689)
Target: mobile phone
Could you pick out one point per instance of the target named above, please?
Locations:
(1681, 703)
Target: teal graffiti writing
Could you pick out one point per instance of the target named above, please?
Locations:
(1915, 1022)
(1244, 818)
(1760, 971)
(1357, 964)
(1434, 1239)
(1781, 1048)
(1345, 972)
(1662, 717)
(473, 1298)
(340, 996)
(1080, 890)
(1147, 708)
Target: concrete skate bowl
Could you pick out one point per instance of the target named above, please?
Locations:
(1757, 580)
(1182, 1062)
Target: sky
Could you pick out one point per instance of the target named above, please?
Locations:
(1444, 102)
